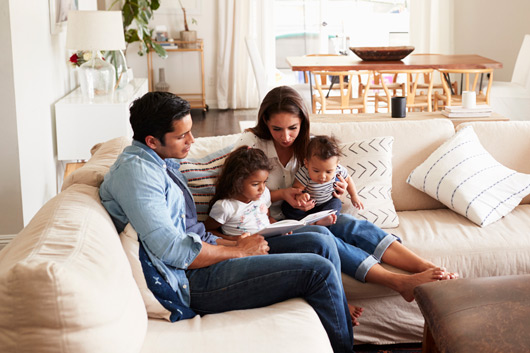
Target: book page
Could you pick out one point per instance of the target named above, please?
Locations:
(312, 218)
(280, 227)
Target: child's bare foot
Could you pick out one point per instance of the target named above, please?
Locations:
(355, 313)
(406, 283)
(327, 221)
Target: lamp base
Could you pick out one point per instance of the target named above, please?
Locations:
(97, 77)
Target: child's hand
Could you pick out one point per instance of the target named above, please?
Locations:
(290, 194)
(357, 202)
(303, 197)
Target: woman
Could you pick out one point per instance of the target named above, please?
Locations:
(282, 132)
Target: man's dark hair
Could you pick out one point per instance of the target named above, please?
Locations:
(154, 113)
(323, 147)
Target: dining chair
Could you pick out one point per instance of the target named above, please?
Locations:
(449, 98)
(376, 86)
(416, 98)
(345, 87)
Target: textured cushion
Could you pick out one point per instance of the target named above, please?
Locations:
(201, 174)
(369, 163)
(103, 156)
(467, 179)
(65, 283)
(414, 141)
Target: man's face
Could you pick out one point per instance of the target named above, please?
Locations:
(178, 142)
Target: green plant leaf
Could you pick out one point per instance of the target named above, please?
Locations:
(155, 4)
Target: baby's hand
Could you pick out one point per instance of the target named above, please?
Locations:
(304, 197)
(357, 203)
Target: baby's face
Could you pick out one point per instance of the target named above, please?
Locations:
(322, 170)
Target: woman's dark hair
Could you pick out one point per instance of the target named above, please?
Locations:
(323, 147)
(284, 99)
(154, 113)
(239, 165)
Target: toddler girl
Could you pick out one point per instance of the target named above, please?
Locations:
(241, 201)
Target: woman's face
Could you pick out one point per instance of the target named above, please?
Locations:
(284, 128)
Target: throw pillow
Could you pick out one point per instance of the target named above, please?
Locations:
(201, 174)
(369, 163)
(163, 303)
(466, 178)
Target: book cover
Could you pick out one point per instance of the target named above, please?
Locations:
(460, 109)
(288, 225)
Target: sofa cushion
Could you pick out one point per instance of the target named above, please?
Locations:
(507, 141)
(414, 141)
(103, 157)
(201, 175)
(290, 326)
(65, 283)
(467, 179)
(369, 163)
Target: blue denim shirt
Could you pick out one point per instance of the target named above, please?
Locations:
(138, 190)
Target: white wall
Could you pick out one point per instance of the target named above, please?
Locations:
(492, 28)
(34, 77)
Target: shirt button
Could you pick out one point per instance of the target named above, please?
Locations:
(164, 166)
(186, 264)
(184, 286)
(183, 215)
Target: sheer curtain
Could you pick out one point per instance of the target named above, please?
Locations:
(432, 26)
(236, 85)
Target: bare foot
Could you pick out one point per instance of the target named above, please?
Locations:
(327, 221)
(355, 313)
(407, 283)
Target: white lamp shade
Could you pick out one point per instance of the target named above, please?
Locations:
(95, 30)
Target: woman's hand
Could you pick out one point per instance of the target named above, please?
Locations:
(340, 187)
(290, 195)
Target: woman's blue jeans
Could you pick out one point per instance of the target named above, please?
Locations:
(302, 265)
(360, 244)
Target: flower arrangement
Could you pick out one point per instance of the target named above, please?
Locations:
(80, 57)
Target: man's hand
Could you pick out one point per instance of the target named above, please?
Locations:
(253, 245)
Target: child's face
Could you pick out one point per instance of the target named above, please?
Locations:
(253, 186)
(321, 170)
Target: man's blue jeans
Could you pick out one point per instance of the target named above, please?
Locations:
(301, 265)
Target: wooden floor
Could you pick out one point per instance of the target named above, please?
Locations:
(219, 122)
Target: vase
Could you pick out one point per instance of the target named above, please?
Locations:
(162, 85)
(117, 59)
(97, 77)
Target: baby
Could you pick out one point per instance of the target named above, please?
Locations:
(317, 180)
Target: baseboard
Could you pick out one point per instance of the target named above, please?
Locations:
(5, 239)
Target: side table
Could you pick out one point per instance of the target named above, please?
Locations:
(81, 123)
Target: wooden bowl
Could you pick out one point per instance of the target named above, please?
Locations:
(382, 53)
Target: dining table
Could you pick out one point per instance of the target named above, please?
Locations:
(411, 62)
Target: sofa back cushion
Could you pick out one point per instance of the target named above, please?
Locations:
(66, 284)
(507, 141)
(414, 141)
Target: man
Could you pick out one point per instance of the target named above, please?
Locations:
(145, 188)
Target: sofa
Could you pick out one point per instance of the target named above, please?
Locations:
(67, 284)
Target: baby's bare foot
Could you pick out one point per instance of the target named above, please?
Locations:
(355, 313)
(327, 221)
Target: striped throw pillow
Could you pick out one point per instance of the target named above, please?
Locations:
(466, 178)
(201, 174)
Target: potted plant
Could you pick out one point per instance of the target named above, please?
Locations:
(139, 12)
(187, 35)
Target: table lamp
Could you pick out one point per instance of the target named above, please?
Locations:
(95, 31)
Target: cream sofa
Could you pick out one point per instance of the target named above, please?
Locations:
(66, 285)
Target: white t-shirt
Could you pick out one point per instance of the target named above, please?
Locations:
(280, 177)
(237, 217)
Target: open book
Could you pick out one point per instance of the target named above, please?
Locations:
(288, 225)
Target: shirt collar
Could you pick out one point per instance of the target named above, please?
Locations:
(171, 162)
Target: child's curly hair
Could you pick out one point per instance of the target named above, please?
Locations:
(323, 147)
(239, 165)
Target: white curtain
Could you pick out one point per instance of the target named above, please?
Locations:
(432, 26)
(236, 85)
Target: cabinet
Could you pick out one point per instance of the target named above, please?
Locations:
(196, 100)
(81, 123)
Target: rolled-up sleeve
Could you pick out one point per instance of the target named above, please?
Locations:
(154, 206)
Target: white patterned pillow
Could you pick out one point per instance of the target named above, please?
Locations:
(369, 163)
(466, 178)
(201, 175)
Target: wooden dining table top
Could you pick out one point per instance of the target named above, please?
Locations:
(411, 62)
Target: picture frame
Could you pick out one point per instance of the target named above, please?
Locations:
(59, 13)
